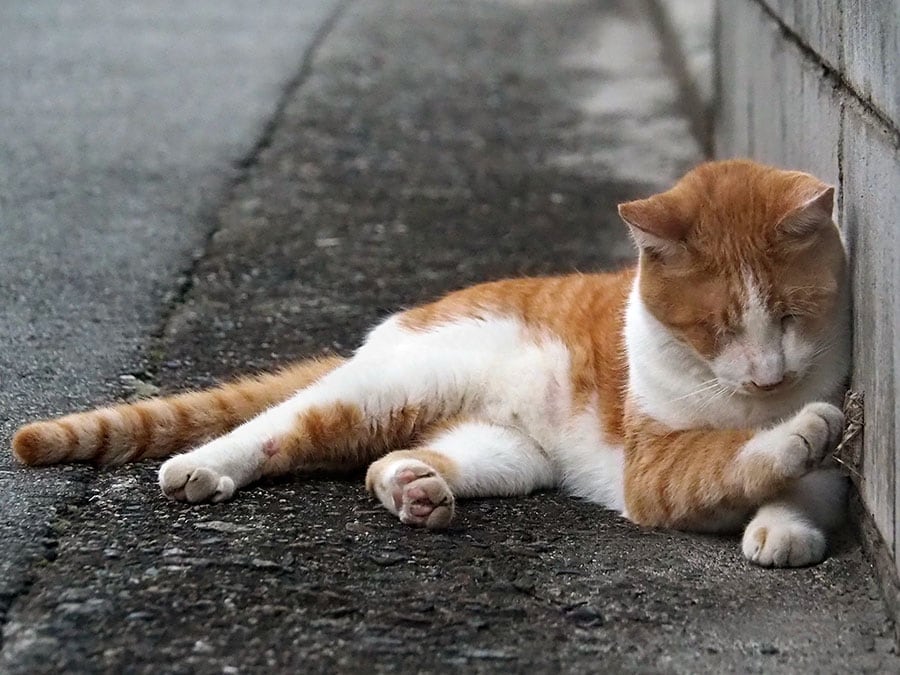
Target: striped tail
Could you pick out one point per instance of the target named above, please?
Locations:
(160, 427)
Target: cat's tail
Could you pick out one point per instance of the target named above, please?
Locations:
(159, 427)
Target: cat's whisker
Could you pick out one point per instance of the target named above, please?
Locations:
(716, 396)
(823, 347)
(702, 388)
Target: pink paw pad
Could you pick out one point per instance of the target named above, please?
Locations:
(404, 478)
(409, 475)
(426, 501)
(419, 502)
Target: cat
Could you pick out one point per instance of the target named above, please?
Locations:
(694, 390)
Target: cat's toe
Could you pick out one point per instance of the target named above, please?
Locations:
(183, 480)
(814, 431)
(792, 544)
(208, 485)
(427, 502)
(173, 476)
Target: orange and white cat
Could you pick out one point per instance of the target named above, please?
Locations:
(693, 391)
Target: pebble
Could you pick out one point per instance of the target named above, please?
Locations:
(221, 526)
(201, 647)
(487, 654)
(387, 559)
(263, 564)
(139, 616)
(586, 615)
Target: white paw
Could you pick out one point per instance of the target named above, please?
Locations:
(187, 480)
(417, 494)
(807, 437)
(791, 543)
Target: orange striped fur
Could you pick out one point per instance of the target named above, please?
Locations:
(340, 437)
(159, 427)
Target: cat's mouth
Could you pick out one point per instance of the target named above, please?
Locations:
(750, 388)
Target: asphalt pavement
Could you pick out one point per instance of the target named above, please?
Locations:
(190, 195)
(122, 126)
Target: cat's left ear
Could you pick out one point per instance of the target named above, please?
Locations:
(811, 214)
(656, 226)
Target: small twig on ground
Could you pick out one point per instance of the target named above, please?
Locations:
(847, 454)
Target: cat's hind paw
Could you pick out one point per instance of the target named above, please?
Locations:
(426, 501)
(790, 543)
(184, 479)
(414, 492)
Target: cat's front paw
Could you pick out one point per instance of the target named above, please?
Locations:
(186, 479)
(809, 436)
(797, 446)
(789, 543)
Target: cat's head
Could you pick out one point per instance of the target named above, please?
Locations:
(743, 263)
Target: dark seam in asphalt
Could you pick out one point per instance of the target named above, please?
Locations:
(836, 78)
(698, 113)
(268, 133)
(50, 537)
(47, 553)
(243, 165)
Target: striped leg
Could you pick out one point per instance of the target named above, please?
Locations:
(468, 459)
(354, 414)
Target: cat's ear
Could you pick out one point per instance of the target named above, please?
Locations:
(811, 213)
(656, 227)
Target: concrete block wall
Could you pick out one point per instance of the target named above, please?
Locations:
(813, 85)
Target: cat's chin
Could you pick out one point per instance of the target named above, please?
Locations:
(761, 394)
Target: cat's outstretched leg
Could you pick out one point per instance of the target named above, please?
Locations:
(466, 459)
(791, 531)
(399, 384)
(356, 413)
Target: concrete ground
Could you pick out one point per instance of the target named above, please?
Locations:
(121, 127)
(421, 147)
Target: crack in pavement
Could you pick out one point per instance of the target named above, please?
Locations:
(136, 140)
(244, 165)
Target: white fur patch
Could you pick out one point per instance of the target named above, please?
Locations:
(754, 356)
(494, 460)
(491, 368)
(791, 531)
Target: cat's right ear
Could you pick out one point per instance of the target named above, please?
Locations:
(810, 213)
(654, 225)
